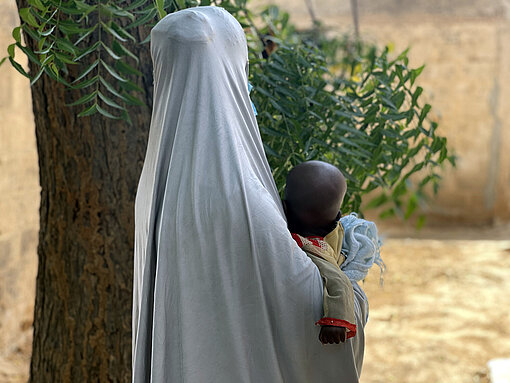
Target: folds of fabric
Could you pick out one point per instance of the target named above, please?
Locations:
(361, 246)
(338, 295)
(221, 291)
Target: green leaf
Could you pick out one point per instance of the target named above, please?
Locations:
(71, 10)
(122, 32)
(399, 190)
(135, 5)
(109, 101)
(84, 99)
(85, 84)
(147, 39)
(412, 205)
(85, 35)
(71, 27)
(28, 17)
(113, 32)
(37, 4)
(394, 117)
(11, 49)
(122, 50)
(398, 99)
(84, 8)
(16, 34)
(388, 213)
(48, 32)
(18, 67)
(144, 19)
(112, 54)
(67, 46)
(415, 73)
(37, 76)
(377, 201)
(111, 89)
(106, 113)
(122, 12)
(132, 100)
(416, 94)
(127, 69)
(87, 71)
(51, 74)
(271, 152)
(421, 221)
(34, 34)
(54, 69)
(424, 112)
(65, 58)
(46, 50)
(130, 85)
(87, 51)
(88, 111)
(160, 6)
(113, 72)
(125, 116)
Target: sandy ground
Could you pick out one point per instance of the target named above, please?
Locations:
(443, 313)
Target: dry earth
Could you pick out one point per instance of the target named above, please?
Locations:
(443, 313)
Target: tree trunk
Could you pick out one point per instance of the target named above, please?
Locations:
(89, 168)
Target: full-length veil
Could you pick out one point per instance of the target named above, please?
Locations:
(221, 291)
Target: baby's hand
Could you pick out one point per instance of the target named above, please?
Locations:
(332, 334)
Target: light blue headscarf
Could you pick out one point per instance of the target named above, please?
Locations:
(361, 246)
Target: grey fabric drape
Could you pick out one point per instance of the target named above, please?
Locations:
(221, 291)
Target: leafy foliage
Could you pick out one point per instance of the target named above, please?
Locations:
(341, 101)
(349, 104)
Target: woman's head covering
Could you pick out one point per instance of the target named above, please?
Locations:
(221, 292)
(202, 110)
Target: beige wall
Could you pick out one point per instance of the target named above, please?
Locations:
(466, 48)
(19, 204)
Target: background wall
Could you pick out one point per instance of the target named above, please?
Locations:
(19, 206)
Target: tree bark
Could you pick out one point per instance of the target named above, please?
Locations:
(89, 169)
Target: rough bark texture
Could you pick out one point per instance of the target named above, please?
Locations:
(89, 168)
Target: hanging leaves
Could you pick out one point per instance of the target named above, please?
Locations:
(349, 104)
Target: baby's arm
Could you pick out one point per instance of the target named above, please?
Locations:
(338, 323)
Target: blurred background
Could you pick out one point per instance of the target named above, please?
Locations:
(444, 310)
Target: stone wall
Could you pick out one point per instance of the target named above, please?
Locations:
(19, 205)
(466, 48)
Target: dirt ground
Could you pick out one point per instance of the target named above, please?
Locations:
(444, 310)
(443, 313)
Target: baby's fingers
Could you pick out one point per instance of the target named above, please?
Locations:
(320, 337)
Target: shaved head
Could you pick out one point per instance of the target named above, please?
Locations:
(313, 196)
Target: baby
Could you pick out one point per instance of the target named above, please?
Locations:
(313, 196)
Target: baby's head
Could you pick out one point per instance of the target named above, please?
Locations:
(313, 196)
